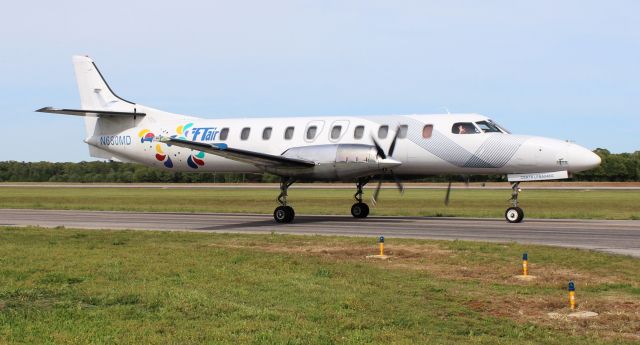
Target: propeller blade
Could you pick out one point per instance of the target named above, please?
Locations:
(446, 198)
(379, 149)
(398, 183)
(374, 198)
(393, 142)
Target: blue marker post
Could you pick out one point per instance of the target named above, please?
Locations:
(381, 241)
(525, 264)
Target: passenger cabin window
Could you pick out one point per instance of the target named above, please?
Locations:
(358, 133)
(224, 133)
(335, 132)
(402, 131)
(383, 131)
(266, 133)
(244, 135)
(427, 131)
(311, 132)
(464, 128)
(488, 127)
(288, 133)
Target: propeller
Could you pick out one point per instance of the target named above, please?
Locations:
(446, 197)
(385, 156)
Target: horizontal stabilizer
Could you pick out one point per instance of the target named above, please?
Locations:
(256, 158)
(85, 112)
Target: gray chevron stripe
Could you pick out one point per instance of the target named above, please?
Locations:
(495, 152)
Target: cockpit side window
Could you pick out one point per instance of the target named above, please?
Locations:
(464, 128)
(488, 127)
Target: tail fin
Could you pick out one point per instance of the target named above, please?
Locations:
(95, 93)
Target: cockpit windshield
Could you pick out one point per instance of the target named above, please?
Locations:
(488, 126)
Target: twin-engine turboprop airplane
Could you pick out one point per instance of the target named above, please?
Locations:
(344, 148)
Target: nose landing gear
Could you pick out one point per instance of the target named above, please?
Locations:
(360, 209)
(514, 214)
(284, 213)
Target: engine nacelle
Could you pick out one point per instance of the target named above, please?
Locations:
(333, 162)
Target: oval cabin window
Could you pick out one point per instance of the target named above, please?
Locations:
(288, 133)
(311, 132)
(383, 131)
(266, 133)
(335, 132)
(358, 132)
(244, 135)
(427, 131)
(224, 133)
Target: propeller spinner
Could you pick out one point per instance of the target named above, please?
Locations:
(387, 163)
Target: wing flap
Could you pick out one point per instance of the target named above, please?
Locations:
(256, 158)
(85, 112)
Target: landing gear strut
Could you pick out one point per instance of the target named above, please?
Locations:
(284, 213)
(360, 209)
(514, 214)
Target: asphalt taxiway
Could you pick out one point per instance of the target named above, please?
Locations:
(614, 236)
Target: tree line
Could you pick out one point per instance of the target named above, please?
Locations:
(614, 167)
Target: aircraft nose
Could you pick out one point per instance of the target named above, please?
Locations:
(581, 159)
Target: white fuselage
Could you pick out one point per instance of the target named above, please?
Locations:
(422, 151)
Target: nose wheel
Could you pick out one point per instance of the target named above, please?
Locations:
(514, 214)
(284, 213)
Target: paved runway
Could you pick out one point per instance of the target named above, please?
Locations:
(615, 236)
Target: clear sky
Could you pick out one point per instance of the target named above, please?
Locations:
(561, 69)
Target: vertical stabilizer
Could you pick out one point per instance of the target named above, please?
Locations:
(95, 93)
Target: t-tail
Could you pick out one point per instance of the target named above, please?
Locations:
(104, 112)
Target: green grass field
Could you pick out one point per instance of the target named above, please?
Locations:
(582, 204)
(68, 286)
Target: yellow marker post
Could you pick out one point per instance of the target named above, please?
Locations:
(572, 295)
(381, 241)
(525, 264)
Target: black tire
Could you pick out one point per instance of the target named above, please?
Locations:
(284, 214)
(360, 210)
(280, 214)
(514, 215)
(291, 214)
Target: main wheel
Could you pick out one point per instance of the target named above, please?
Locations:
(514, 215)
(283, 214)
(292, 213)
(360, 210)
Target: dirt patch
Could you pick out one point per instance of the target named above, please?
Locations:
(619, 317)
(341, 252)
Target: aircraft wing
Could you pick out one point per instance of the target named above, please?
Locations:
(85, 112)
(245, 156)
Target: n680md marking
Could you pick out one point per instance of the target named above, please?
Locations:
(115, 140)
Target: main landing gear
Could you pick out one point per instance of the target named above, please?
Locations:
(514, 214)
(284, 213)
(360, 209)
